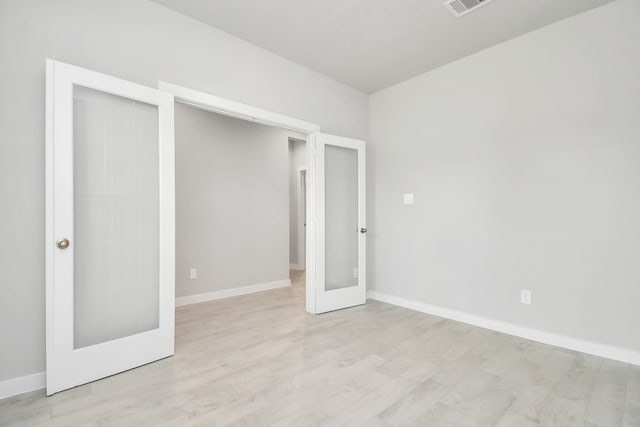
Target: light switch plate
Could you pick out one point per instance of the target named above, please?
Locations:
(408, 199)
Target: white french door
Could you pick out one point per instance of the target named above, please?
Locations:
(110, 226)
(339, 248)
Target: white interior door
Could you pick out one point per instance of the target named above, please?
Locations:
(110, 226)
(340, 227)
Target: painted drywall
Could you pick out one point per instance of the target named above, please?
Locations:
(232, 202)
(297, 160)
(524, 162)
(139, 41)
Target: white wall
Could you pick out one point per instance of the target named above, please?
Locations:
(232, 202)
(297, 159)
(525, 164)
(143, 42)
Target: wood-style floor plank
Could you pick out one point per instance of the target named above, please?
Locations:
(260, 360)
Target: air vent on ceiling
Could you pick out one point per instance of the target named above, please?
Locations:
(462, 7)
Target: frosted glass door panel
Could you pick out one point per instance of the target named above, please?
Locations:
(341, 217)
(116, 217)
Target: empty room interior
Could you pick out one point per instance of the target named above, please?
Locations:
(338, 213)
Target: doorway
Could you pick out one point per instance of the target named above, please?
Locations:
(302, 217)
(233, 196)
(335, 258)
(297, 213)
(297, 203)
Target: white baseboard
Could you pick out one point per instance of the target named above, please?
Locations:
(21, 385)
(576, 344)
(296, 267)
(37, 381)
(233, 292)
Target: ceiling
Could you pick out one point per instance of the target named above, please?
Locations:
(373, 44)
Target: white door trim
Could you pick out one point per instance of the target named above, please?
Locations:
(300, 215)
(227, 107)
(231, 108)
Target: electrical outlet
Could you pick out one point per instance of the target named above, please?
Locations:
(525, 297)
(408, 199)
(193, 273)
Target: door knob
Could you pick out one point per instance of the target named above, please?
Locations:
(363, 230)
(62, 243)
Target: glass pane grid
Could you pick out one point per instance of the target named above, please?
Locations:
(116, 217)
(341, 217)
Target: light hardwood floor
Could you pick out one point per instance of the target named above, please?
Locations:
(260, 360)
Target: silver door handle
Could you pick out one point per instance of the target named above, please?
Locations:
(62, 243)
(363, 230)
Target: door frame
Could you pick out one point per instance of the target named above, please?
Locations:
(301, 177)
(227, 107)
